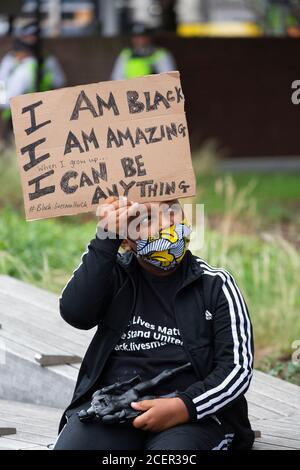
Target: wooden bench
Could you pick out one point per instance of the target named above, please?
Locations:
(34, 336)
(36, 425)
(34, 333)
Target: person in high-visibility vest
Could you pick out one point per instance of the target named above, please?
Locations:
(18, 73)
(142, 57)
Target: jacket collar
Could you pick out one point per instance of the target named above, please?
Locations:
(192, 269)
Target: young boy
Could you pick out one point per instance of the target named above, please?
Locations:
(156, 307)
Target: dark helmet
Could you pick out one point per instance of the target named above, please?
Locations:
(28, 29)
(26, 37)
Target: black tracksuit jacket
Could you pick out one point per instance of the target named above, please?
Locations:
(211, 315)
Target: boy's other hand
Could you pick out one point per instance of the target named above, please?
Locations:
(160, 413)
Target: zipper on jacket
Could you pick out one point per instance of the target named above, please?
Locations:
(213, 417)
(190, 357)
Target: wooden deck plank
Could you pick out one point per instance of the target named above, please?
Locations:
(41, 308)
(273, 425)
(32, 439)
(25, 408)
(267, 446)
(261, 378)
(260, 412)
(36, 425)
(279, 396)
(40, 333)
(36, 319)
(43, 428)
(41, 420)
(280, 441)
(25, 440)
(36, 422)
(44, 331)
(272, 404)
(14, 444)
(42, 298)
(278, 432)
(36, 340)
(22, 379)
(15, 348)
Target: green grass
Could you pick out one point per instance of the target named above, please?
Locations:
(41, 252)
(283, 368)
(252, 229)
(267, 273)
(277, 196)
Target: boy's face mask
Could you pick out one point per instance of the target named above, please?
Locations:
(167, 249)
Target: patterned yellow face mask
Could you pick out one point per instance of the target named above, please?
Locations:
(167, 249)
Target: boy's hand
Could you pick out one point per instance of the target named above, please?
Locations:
(160, 414)
(114, 215)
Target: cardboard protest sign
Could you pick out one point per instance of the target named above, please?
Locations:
(77, 146)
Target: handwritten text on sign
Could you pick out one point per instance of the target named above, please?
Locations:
(79, 145)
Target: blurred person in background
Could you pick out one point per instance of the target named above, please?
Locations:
(143, 57)
(19, 70)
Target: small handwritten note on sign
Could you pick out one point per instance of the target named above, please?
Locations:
(77, 146)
